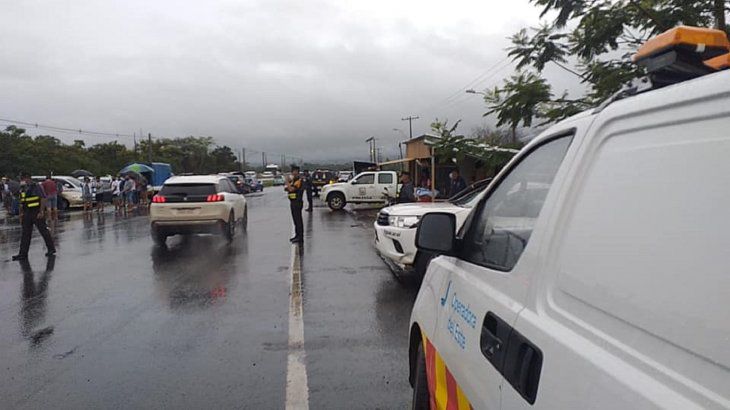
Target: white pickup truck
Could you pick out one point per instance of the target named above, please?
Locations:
(366, 187)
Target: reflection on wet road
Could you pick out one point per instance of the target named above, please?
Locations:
(114, 321)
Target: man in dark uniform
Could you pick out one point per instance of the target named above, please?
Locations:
(32, 212)
(307, 184)
(294, 189)
(407, 190)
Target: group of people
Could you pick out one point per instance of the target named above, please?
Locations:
(409, 192)
(125, 192)
(11, 194)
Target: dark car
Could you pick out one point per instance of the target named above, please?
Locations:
(321, 178)
(255, 185)
(240, 184)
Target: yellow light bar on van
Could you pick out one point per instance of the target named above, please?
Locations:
(706, 42)
(719, 63)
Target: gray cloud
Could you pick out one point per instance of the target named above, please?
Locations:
(310, 78)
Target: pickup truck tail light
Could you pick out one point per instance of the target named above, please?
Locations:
(215, 198)
(159, 199)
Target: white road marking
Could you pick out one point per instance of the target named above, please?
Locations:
(297, 389)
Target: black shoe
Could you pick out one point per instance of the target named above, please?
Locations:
(309, 209)
(296, 240)
(51, 253)
(20, 257)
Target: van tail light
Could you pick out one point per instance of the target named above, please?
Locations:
(215, 198)
(159, 199)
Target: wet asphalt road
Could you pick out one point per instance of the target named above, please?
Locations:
(116, 322)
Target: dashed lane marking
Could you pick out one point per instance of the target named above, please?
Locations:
(297, 389)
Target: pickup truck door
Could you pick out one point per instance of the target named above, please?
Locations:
(485, 286)
(363, 187)
(386, 185)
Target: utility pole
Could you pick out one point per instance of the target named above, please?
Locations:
(410, 119)
(149, 147)
(243, 159)
(263, 159)
(135, 146)
(371, 148)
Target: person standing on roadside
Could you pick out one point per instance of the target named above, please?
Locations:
(308, 188)
(50, 188)
(457, 183)
(130, 189)
(98, 189)
(87, 195)
(115, 188)
(32, 213)
(293, 187)
(7, 197)
(407, 191)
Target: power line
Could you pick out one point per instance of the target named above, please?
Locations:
(66, 130)
(487, 74)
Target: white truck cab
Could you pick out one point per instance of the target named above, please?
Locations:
(366, 187)
(594, 272)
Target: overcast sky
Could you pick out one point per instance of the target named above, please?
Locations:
(311, 78)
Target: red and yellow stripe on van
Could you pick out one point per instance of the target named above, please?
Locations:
(445, 393)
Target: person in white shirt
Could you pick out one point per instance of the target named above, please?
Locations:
(116, 192)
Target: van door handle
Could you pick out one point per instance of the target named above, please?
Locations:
(495, 332)
(490, 342)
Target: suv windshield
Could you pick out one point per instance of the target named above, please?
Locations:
(468, 197)
(187, 189)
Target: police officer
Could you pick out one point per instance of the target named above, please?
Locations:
(32, 212)
(307, 184)
(294, 189)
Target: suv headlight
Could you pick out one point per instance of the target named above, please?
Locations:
(403, 221)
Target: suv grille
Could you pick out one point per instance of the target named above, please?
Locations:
(383, 219)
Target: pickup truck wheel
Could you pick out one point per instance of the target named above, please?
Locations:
(421, 399)
(336, 201)
(229, 229)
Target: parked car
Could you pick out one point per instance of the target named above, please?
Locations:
(593, 272)
(367, 187)
(197, 204)
(70, 196)
(395, 227)
(278, 180)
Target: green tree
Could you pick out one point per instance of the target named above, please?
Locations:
(592, 40)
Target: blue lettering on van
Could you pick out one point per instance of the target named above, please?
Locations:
(463, 310)
(446, 296)
(456, 333)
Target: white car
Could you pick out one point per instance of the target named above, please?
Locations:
(197, 204)
(593, 274)
(395, 227)
(371, 187)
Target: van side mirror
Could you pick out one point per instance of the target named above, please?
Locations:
(437, 233)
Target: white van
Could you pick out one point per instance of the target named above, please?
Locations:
(595, 272)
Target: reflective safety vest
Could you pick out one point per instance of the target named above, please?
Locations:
(296, 195)
(29, 201)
